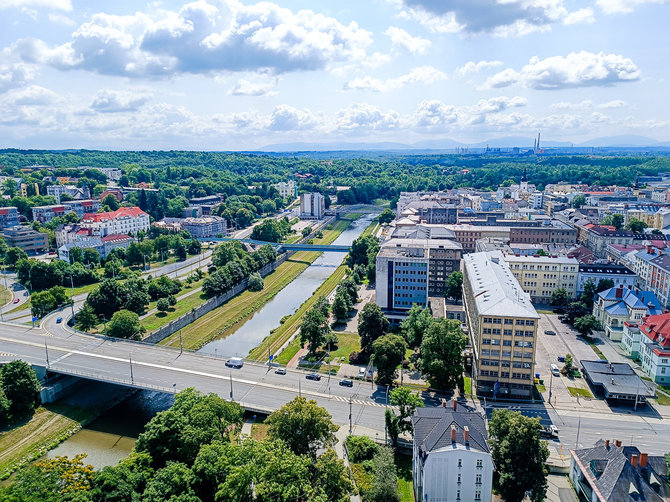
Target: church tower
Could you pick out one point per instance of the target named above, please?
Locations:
(523, 187)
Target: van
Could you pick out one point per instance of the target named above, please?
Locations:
(555, 371)
(235, 362)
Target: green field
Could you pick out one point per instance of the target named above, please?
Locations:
(577, 391)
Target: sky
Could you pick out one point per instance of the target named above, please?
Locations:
(233, 75)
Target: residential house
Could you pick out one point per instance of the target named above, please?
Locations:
(125, 220)
(9, 217)
(610, 472)
(615, 306)
(618, 274)
(451, 458)
(659, 278)
(655, 347)
(205, 226)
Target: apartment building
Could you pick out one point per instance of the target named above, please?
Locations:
(26, 238)
(205, 226)
(286, 189)
(312, 206)
(502, 326)
(9, 217)
(549, 232)
(44, 214)
(655, 347)
(540, 276)
(451, 458)
(658, 279)
(619, 274)
(409, 271)
(125, 220)
(73, 191)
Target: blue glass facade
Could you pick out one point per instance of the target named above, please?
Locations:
(410, 284)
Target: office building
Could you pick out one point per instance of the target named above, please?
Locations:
(205, 227)
(502, 326)
(312, 206)
(24, 237)
(125, 220)
(540, 276)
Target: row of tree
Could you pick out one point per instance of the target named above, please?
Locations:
(233, 263)
(192, 453)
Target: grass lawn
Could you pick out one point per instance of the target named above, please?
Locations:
(576, 391)
(288, 353)
(158, 319)
(467, 383)
(597, 351)
(82, 289)
(259, 431)
(663, 399)
(346, 344)
(50, 425)
(403, 464)
(541, 388)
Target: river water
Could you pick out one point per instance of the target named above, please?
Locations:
(112, 437)
(287, 301)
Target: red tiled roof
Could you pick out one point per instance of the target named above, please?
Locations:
(116, 237)
(657, 329)
(122, 212)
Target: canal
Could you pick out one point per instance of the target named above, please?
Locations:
(287, 301)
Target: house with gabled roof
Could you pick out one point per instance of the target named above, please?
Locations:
(616, 306)
(451, 456)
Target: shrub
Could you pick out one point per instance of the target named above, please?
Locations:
(361, 448)
(357, 358)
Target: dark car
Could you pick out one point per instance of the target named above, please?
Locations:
(313, 376)
(59, 320)
(549, 332)
(561, 359)
(280, 371)
(559, 310)
(347, 382)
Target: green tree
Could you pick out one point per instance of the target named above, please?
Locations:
(362, 251)
(14, 255)
(331, 477)
(86, 318)
(568, 361)
(385, 487)
(303, 425)
(588, 294)
(635, 225)
(388, 351)
(407, 403)
(76, 255)
(163, 305)
(112, 268)
(111, 202)
(313, 329)
(578, 201)
(392, 424)
(604, 284)
(255, 282)
(351, 288)
(372, 323)
(125, 324)
(415, 325)
(615, 220)
(42, 303)
(386, 217)
(519, 456)
(586, 325)
(340, 305)
(21, 388)
(454, 286)
(91, 256)
(172, 482)
(559, 297)
(442, 354)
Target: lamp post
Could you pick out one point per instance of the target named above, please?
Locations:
(74, 320)
(231, 386)
(132, 378)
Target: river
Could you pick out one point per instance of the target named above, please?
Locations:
(287, 301)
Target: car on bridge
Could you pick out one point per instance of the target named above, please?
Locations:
(235, 362)
(313, 376)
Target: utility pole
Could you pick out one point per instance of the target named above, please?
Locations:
(181, 344)
(231, 386)
(551, 380)
(47, 352)
(132, 379)
(350, 403)
(579, 425)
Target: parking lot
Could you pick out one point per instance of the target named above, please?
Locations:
(550, 347)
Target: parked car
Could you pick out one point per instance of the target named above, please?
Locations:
(313, 376)
(555, 371)
(280, 371)
(549, 332)
(235, 362)
(559, 310)
(561, 359)
(361, 373)
(59, 320)
(346, 382)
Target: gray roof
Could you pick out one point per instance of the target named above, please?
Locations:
(495, 289)
(432, 428)
(615, 378)
(609, 470)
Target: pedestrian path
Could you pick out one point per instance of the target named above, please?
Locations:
(185, 295)
(341, 436)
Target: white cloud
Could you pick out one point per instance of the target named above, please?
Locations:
(58, 18)
(617, 103)
(623, 6)
(587, 104)
(115, 101)
(504, 18)
(363, 116)
(244, 87)
(577, 69)
(288, 118)
(204, 37)
(472, 67)
(584, 15)
(405, 42)
(419, 75)
(14, 75)
(65, 5)
(33, 95)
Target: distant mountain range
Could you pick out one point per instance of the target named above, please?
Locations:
(622, 141)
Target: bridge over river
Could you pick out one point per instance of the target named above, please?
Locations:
(288, 247)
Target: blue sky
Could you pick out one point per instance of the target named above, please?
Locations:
(225, 74)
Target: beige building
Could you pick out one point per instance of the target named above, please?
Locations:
(659, 219)
(540, 276)
(502, 325)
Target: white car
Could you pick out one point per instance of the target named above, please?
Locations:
(361, 373)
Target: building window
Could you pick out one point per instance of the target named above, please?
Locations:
(478, 495)
(460, 462)
(478, 479)
(480, 463)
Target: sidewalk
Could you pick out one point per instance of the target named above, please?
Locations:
(341, 435)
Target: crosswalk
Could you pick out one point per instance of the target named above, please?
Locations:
(361, 402)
